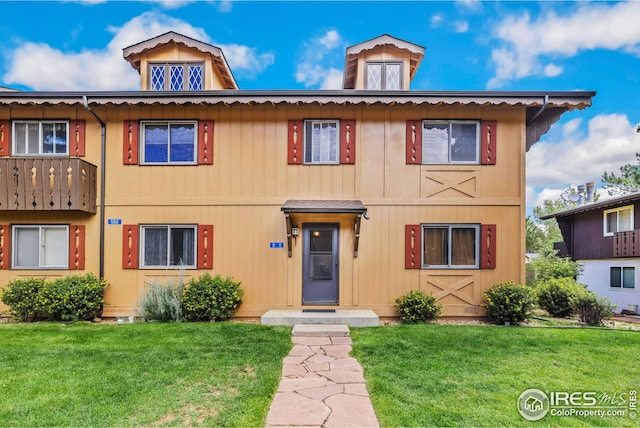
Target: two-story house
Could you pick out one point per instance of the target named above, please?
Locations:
(312, 199)
(604, 238)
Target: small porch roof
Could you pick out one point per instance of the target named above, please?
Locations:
(324, 206)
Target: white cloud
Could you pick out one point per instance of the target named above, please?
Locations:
(610, 142)
(106, 69)
(315, 68)
(526, 44)
(552, 70)
(473, 5)
(461, 26)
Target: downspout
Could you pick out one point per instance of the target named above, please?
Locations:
(103, 155)
(539, 112)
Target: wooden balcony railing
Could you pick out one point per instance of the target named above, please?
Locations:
(626, 244)
(47, 184)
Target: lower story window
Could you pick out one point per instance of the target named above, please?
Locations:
(40, 247)
(450, 246)
(168, 246)
(622, 277)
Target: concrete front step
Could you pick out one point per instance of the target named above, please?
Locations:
(320, 330)
(290, 317)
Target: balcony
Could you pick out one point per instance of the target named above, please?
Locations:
(47, 184)
(626, 244)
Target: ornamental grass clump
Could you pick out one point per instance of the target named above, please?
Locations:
(556, 294)
(21, 296)
(162, 301)
(418, 307)
(211, 298)
(508, 302)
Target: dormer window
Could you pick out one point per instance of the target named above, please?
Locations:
(176, 76)
(384, 75)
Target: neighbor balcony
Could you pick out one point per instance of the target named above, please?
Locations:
(626, 244)
(47, 184)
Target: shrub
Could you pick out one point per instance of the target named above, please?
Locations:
(555, 295)
(162, 301)
(550, 265)
(211, 298)
(21, 297)
(509, 302)
(592, 309)
(72, 298)
(416, 307)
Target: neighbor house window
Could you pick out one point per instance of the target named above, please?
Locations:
(176, 77)
(36, 247)
(168, 246)
(168, 142)
(450, 246)
(384, 76)
(450, 141)
(322, 141)
(623, 277)
(40, 137)
(618, 220)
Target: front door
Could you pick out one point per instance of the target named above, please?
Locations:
(320, 264)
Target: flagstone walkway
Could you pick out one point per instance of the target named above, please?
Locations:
(321, 386)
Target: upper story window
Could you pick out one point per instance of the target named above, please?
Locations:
(168, 142)
(450, 246)
(45, 137)
(618, 220)
(168, 246)
(384, 75)
(44, 247)
(322, 141)
(176, 77)
(450, 141)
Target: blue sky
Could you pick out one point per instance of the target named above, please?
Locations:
(470, 45)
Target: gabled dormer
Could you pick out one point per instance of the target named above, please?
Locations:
(173, 62)
(383, 63)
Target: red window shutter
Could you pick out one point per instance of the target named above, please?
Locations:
(76, 247)
(296, 140)
(348, 141)
(205, 246)
(5, 137)
(130, 142)
(205, 142)
(5, 246)
(488, 246)
(413, 246)
(414, 142)
(488, 147)
(130, 246)
(77, 138)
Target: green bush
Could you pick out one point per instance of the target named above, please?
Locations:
(211, 298)
(549, 265)
(162, 301)
(72, 298)
(555, 295)
(416, 307)
(592, 309)
(509, 302)
(21, 295)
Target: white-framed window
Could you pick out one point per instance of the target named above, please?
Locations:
(618, 220)
(622, 277)
(40, 247)
(168, 142)
(450, 246)
(383, 75)
(168, 246)
(322, 141)
(40, 137)
(450, 141)
(176, 77)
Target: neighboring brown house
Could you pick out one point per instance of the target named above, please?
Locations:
(342, 198)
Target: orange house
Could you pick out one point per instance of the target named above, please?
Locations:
(312, 199)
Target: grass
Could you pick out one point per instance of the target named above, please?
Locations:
(455, 375)
(153, 374)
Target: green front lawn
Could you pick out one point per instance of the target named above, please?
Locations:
(455, 375)
(188, 374)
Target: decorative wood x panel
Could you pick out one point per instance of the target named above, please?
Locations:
(454, 289)
(462, 182)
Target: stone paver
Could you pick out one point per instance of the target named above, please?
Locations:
(321, 386)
